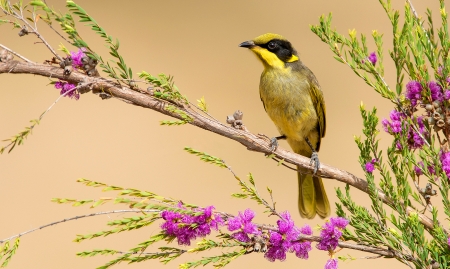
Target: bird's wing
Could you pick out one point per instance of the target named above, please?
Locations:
(319, 104)
(262, 102)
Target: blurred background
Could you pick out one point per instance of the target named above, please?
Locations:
(119, 144)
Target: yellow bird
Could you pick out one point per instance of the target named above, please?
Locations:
(294, 101)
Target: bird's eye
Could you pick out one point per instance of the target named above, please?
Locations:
(272, 45)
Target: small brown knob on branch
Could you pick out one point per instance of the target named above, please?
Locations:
(236, 120)
(5, 56)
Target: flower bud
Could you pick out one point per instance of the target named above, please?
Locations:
(68, 70)
(440, 123)
(9, 57)
(431, 121)
(5, 56)
(238, 115)
(429, 107)
(436, 115)
(436, 104)
(93, 62)
(68, 60)
(434, 264)
(230, 119)
(23, 31)
(92, 73)
(85, 60)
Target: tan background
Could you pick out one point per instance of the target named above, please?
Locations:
(119, 144)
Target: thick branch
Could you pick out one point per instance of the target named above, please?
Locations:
(249, 140)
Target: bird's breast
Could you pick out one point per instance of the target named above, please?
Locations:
(287, 100)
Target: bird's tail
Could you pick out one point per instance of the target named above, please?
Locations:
(312, 197)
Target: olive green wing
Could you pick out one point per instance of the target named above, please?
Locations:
(319, 104)
(262, 101)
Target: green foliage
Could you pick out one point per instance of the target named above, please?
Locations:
(418, 54)
(207, 244)
(218, 261)
(185, 117)
(250, 191)
(7, 251)
(19, 138)
(15, 24)
(165, 87)
(206, 157)
(152, 205)
(96, 252)
(134, 198)
(354, 53)
(123, 227)
(201, 103)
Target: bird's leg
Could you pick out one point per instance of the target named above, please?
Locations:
(314, 157)
(274, 142)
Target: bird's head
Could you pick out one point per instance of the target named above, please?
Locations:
(273, 50)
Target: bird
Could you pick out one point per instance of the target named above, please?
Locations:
(293, 99)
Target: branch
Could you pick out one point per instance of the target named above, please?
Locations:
(15, 53)
(383, 252)
(253, 142)
(78, 217)
(35, 30)
(311, 238)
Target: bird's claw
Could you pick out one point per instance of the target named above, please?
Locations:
(315, 161)
(273, 143)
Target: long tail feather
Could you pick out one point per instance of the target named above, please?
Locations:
(312, 197)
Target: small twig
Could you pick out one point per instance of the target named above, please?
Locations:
(17, 54)
(78, 217)
(34, 29)
(398, 103)
(372, 257)
(150, 253)
(51, 27)
(412, 9)
(420, 24)
(264, 202)
(42, 115)
(62, 95)
(280, 161)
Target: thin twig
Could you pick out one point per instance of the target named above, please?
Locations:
(50, 25)
(78, 217)
(263, 201)
(150, 253)
(48, 109)
(34, 29)
(311, 238)
(412, 9)
(372, 257)
(17, 54)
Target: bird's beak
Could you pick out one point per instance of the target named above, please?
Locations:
(247, 44)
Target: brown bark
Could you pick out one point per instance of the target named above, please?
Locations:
(249, 140)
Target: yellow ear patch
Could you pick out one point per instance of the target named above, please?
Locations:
(292, 59)
(268, 58)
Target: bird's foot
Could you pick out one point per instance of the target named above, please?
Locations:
(274, 143)
(315, 161)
